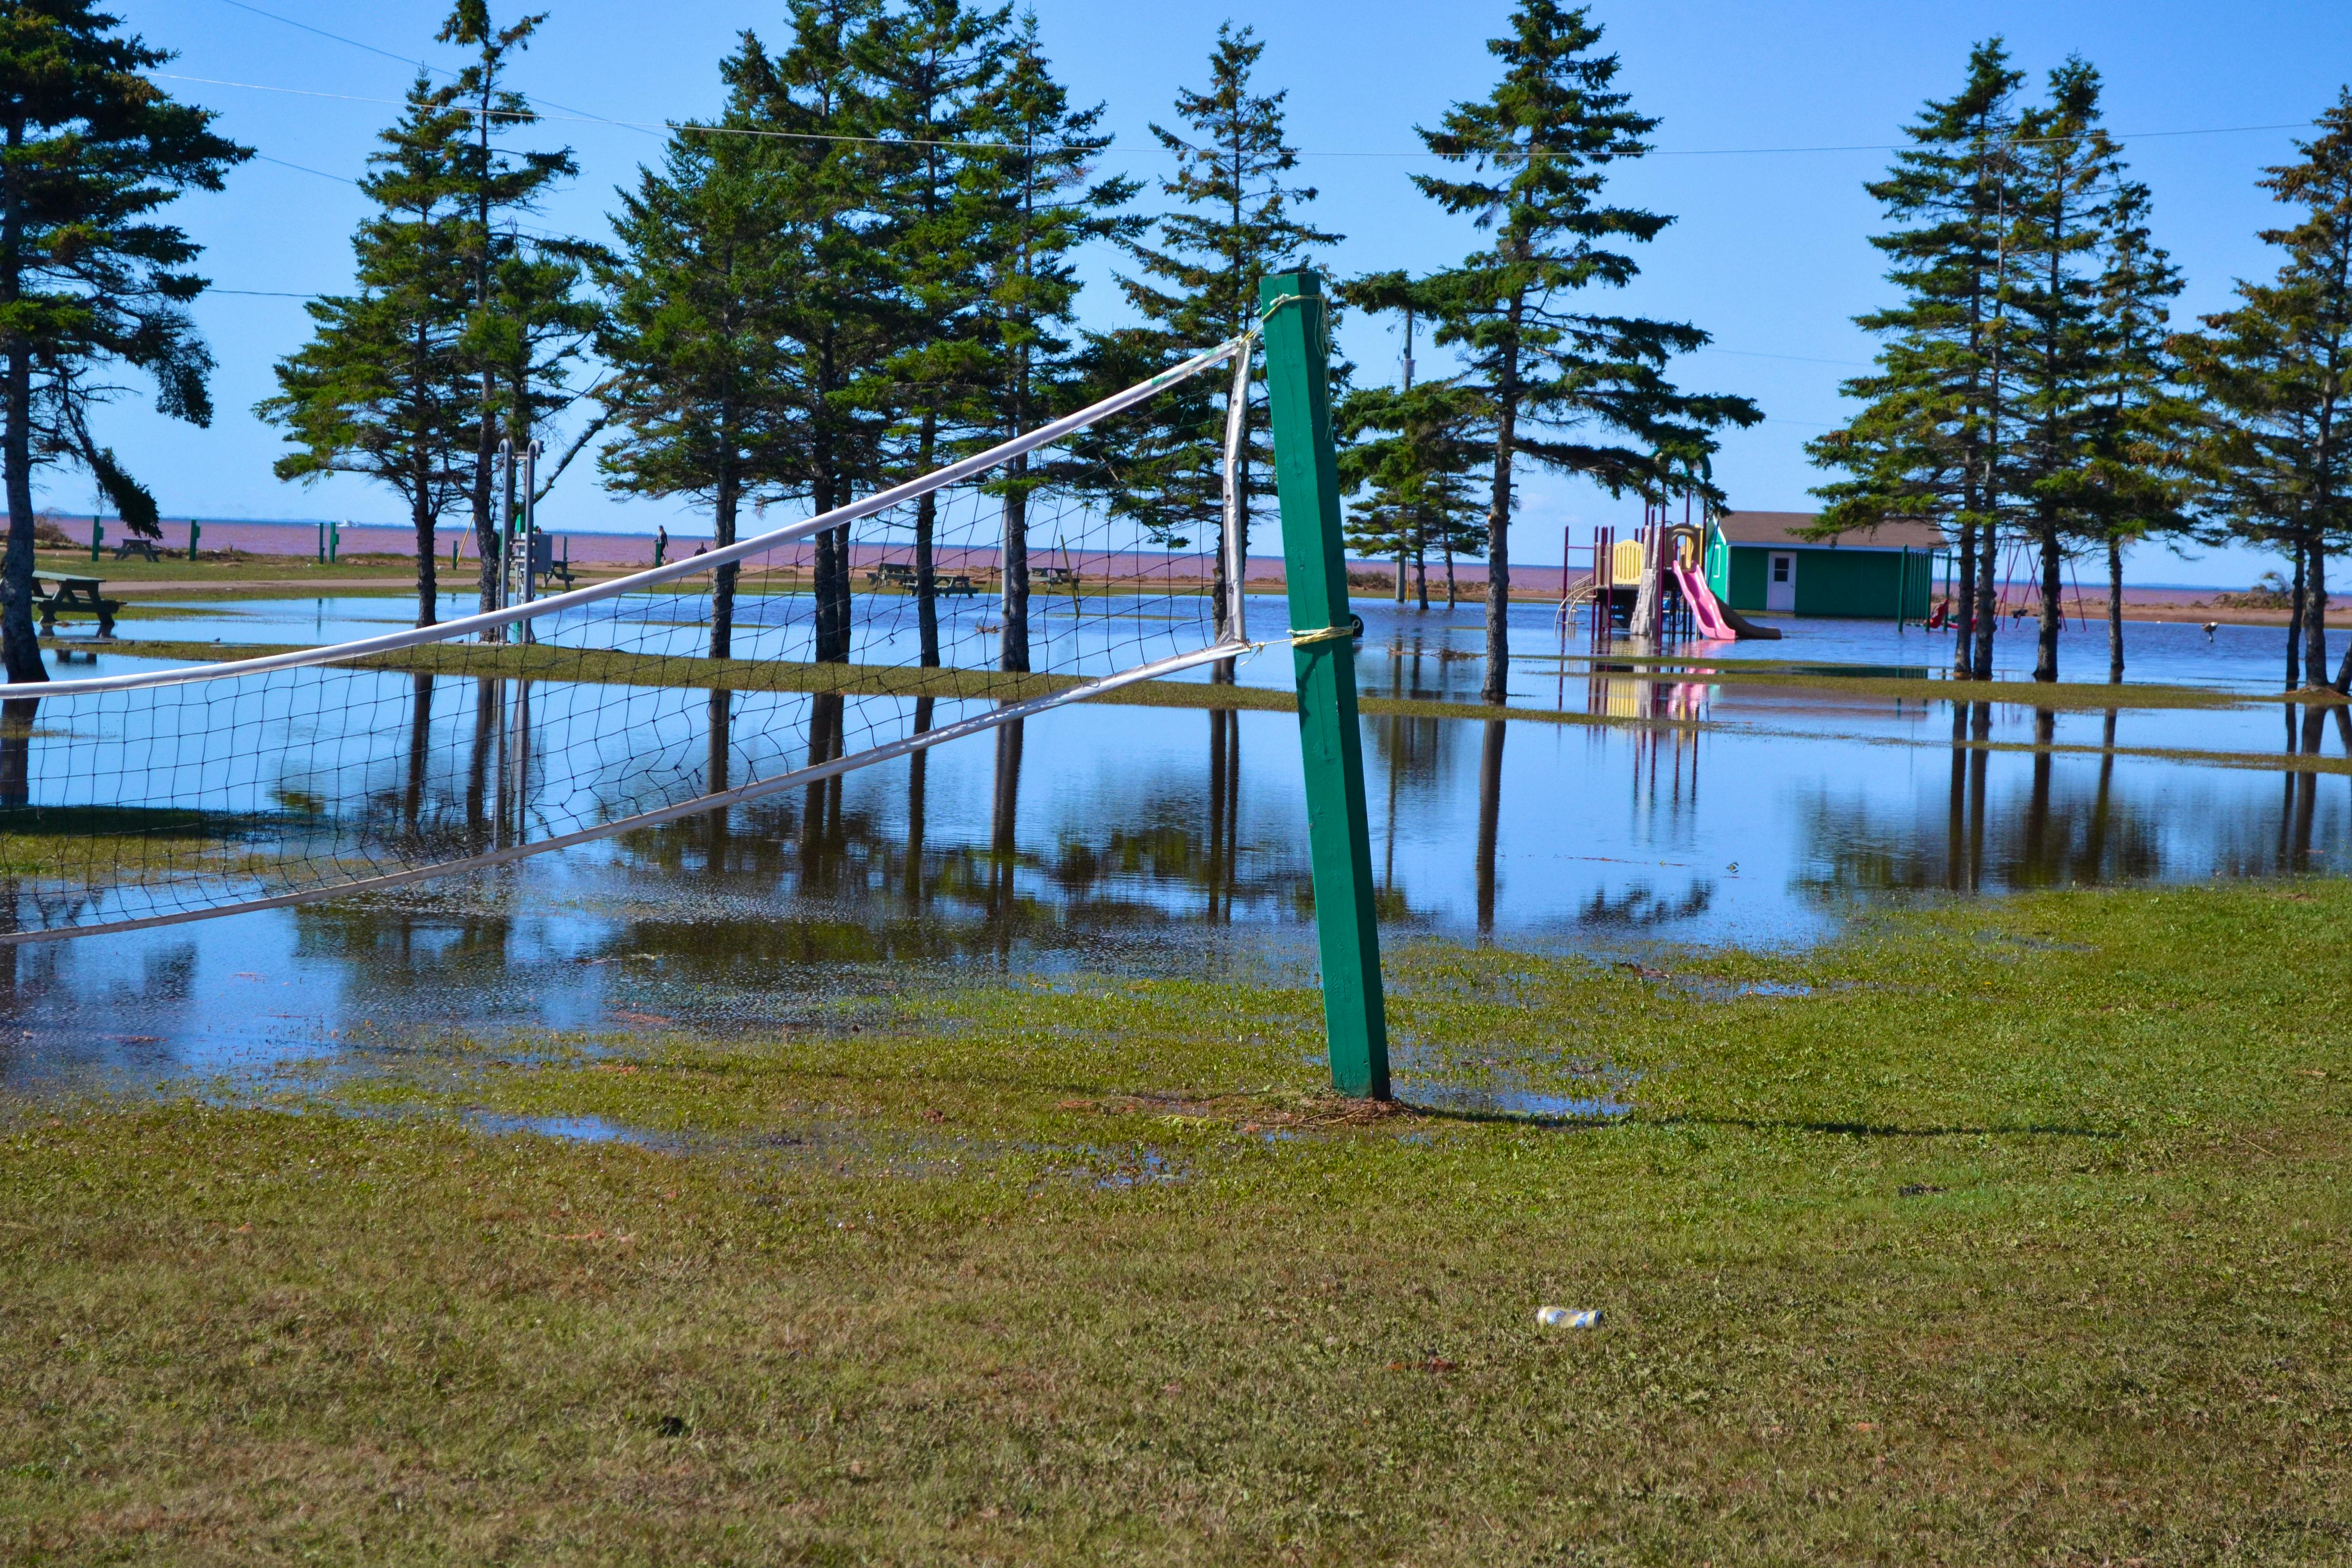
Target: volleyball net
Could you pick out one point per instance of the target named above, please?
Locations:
(1097, 550)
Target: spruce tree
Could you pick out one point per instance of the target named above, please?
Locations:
(2245, 456)
(2065, 159)
(1926, 442)
(1559, 386)
(1411, 452)
(932, 65)
(697, 293)
(2133, 486)
(1234, 223)
(2275, 370)
(498, 184)
(827, 173)
(1044, 203)
(385, 388)
(91, 149)
(540, 339)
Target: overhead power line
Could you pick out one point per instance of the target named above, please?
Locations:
(304, 168)
(338, 37)
(403, 59)
(653, 128)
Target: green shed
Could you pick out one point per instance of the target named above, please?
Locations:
(1758, 562)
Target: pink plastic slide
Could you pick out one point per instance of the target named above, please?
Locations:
(1704, 609)
(1715, 619)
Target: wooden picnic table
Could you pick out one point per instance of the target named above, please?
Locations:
(893, 574)
(63, 593)
(136, 546)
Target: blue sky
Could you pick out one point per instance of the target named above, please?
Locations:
(1773, 117)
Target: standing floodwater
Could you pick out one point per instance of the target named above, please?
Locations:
(1172, 841)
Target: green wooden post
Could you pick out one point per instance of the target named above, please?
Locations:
(1340, 839)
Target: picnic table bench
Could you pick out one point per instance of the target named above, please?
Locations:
(58, 594)
(1058, 576)
(135, 546)
(891, 575)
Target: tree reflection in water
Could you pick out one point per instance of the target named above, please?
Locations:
(1490, 801)
(2051, 835)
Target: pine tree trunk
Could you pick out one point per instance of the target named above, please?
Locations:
(926, 603)
(2315, 613)
(1421, 570)
(1400, 574)
(1453, 593)
(821, 585)
(2115, 611)
(831, 489)
(728, 500)
(20, 647)
(428, 554)
(1988, 564)
(1498, 519)
(2053, 605)
(1966, 608)
(1013, 653)
(2294, 621)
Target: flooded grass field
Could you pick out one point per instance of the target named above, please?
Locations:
(1149, 842)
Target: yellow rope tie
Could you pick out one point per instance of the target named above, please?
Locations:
(1328, 633)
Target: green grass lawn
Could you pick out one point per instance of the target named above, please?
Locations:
(2021, 1237)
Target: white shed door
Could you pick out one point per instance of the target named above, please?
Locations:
(1780, 583)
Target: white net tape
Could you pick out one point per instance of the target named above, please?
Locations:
(176, 794)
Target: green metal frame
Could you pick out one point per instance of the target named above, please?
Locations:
(1340, 839)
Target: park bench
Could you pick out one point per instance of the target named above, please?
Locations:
(57, 594)
(130, 547)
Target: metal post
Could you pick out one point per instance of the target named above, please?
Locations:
(1306, 484)
(529, 530)
(195, 532)
(506, 523)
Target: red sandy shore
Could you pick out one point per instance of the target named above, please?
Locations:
(625, 550)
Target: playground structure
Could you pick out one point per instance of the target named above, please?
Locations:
(1650, 585)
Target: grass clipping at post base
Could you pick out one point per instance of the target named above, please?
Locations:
(2022, 1237)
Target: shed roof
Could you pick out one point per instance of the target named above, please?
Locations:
(1782, 529)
